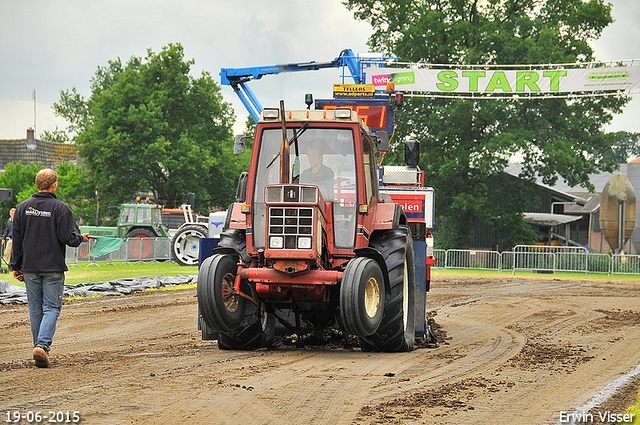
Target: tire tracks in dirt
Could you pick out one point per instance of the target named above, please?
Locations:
(517, 351)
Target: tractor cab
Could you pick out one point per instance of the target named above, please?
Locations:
(319, 215)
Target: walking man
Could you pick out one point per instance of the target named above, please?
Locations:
(42, 226)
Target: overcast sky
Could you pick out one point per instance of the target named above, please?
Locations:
(54, 45)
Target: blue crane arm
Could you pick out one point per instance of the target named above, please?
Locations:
(238, 78)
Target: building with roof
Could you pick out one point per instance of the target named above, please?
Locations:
(30, 149)
(570, 215)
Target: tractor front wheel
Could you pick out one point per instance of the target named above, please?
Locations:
(362, 296)
(221, 308)
(258, 330)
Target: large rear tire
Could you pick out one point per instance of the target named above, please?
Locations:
(362, 296)
(185, 245)
(235, 239)
(140, 244)
(207, 335)
(397, 329)
(222, 310)
(257, 331)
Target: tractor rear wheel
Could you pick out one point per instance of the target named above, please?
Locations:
(207, 335)
(236, 239)
(257, 331)
(397, 328)
(140, 244)
(221, 309)
(362, 296)
(185, 245)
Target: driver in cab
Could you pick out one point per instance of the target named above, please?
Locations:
(318, 173)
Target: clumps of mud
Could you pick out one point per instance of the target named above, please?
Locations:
(547, 356)
(334, 339)
(613, 319)
(439, 401)
(619, 317)
(436, 335)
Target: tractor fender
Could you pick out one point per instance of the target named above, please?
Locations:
(227, 251)
(136, 228)
(375, 255)
(235, 219)
(389, 216)
(399, 217)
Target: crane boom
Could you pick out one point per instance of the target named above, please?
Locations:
(238, 78)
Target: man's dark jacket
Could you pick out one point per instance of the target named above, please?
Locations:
(42, 227)
(8, 231)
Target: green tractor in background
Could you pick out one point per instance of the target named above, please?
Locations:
(135, 221)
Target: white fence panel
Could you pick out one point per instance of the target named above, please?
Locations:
(465, 259)
(599, 263)
(440, 256)
(522, 258)
(625, 264)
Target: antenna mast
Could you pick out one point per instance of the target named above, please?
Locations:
(34, 113)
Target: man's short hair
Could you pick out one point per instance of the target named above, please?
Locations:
(46, 178)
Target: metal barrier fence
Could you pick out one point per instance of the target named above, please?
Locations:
(539, 259)
(464, 259)
(522, 258)
(132, 250)
(549, 258)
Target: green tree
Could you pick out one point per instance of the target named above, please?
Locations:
(150, 126)
(73, 187)
(466, 144)
(624, 146)
(75, 190)
(56, 136)
(21, 179)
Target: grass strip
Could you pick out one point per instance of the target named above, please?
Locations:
(635, 412)
(106, 272)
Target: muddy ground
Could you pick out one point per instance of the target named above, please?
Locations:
(513, 350)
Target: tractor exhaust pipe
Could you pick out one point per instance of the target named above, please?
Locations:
(284, 149)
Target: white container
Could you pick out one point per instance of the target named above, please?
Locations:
(216, 223)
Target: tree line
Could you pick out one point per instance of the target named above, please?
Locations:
(149, 126)
(466, 144)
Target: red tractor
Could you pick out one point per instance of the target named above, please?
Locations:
(314, 241)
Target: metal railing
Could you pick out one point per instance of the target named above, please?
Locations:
(132, 250)
(522, 258)
(481, 260)
(535, 258)
(549, 258)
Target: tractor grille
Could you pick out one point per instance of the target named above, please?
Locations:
(290, 228)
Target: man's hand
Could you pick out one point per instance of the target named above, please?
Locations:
(85, 237)
(18, 275)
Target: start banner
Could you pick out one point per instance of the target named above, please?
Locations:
(508, 81)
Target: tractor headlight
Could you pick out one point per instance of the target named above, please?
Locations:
(304, 243)
(276, 242)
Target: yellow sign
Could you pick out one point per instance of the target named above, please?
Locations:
(353, 90)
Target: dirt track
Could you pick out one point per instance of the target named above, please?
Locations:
(513, 351)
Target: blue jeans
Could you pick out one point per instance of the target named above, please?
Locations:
(44, 294)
